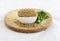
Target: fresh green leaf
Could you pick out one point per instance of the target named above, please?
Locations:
(41, 16)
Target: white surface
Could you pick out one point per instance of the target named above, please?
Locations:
(50, 34)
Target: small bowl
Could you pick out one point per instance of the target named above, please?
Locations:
(27, 20)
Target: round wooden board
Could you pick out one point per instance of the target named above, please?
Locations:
(11, 22)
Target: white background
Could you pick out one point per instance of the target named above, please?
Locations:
(50, 34)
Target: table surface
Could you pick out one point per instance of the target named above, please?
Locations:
(50, 34)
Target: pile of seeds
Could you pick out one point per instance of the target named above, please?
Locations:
(26, 13)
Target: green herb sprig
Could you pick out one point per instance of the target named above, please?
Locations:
(41, 16)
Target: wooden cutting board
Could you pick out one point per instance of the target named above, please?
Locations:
(12, 23)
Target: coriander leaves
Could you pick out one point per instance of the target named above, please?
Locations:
(41, 16)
